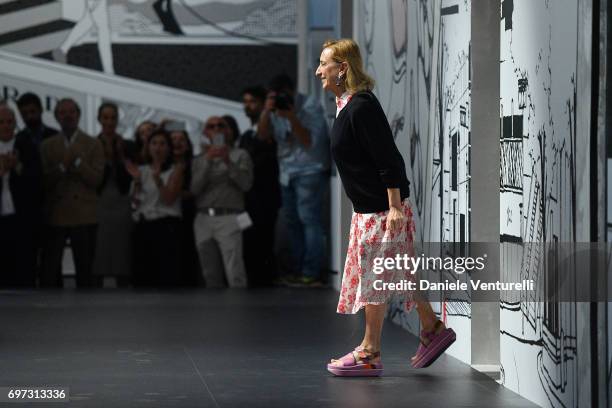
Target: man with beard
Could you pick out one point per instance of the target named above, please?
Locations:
(34, 133)
(264, 198)
(30, 109)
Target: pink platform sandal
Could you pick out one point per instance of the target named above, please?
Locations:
(357, 363)
(433, 344)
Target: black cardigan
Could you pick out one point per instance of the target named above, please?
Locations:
(365, 153)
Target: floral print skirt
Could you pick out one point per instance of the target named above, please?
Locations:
(369, 239)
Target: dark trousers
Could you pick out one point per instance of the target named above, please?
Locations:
(192, 276)
(157, 253)
(258, 249)
(17, 253)
(83, 244)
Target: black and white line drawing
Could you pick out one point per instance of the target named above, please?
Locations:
(538, 194)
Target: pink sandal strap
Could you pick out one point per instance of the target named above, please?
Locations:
(357, 356)
(427, 337)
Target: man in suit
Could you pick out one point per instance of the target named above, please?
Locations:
(73, 167)
(263, 200)
(35, 131)
(30, 109)
(20, 192)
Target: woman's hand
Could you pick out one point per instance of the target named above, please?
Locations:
(221, 152)
(133, 170)
(395, 220)
(156, 167)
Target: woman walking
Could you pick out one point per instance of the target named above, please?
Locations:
(374, 178)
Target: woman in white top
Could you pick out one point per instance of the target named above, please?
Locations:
(156, 192)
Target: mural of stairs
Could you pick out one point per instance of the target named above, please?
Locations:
(32, 27)
(36, 28)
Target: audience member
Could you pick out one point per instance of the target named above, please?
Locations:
(263, 200)
(113, 243)
(220, 177)
(138, 148)
(156, 192)
(183, 153)
(20, 196)
(31, 110)
(189, 221)
(234, 130)
(73, 168)
(297, 123)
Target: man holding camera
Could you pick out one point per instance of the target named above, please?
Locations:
(220, 177)
(297, 124)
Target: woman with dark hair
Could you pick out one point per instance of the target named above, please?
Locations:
(234, 129)
(374, 177)
(182, 148)
(141, 138)
(183, 153)
(113, 249)
(156, 192)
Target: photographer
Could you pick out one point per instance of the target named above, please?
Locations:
(220, 177)
(297, 124)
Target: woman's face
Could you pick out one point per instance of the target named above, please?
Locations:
(159, 149)
(144, 131)
(108, 120)
(179, 144)
(328, 71)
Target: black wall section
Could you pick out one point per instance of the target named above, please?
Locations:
(215, 70)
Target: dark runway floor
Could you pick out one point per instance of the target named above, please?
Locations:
(265, 348)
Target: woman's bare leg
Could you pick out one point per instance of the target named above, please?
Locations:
(426, 315)
(375, 317)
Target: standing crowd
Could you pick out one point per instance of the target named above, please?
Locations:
(149, 213)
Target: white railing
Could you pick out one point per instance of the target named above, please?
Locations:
(52, 81)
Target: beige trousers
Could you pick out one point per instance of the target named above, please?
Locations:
(220, 231)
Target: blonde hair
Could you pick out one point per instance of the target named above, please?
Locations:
(347, 50)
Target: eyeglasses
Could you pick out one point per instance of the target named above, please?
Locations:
(219, 125)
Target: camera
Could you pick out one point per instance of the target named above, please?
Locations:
(283, 101)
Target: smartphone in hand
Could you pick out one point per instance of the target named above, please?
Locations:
(218, 139)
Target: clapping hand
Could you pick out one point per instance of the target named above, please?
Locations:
(133, 170)
(221, 152)
(8, 162)
(156, 166)
(69, 158)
